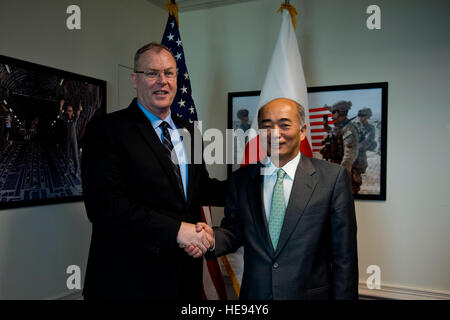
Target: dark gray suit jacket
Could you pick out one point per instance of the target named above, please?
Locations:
(316, 257)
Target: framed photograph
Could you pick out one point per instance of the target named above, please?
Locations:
(242, 108)
(43, 115)
(367, 114)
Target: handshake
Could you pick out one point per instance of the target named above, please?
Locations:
(195, 239)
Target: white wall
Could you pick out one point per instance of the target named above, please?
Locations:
(38, 243)
(228, 48)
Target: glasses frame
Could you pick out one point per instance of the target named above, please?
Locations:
(146, 73)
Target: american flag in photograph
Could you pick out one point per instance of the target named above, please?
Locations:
(316, 124)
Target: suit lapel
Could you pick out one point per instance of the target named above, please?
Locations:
(255, 200)
(302, 189)
(145, 128)
(189, 149)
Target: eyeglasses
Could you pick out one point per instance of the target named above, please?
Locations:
(153, 74)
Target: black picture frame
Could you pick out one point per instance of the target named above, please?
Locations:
(38, 157)
(373, 95)
(238, 101)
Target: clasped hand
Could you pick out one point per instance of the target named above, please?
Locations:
(195, 239)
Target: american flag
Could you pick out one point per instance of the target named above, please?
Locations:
(183, 106)
(317, 130)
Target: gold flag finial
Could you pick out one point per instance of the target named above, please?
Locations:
(172, 7)
(292, 11)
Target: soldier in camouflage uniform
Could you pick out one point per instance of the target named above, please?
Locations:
(366, 143)
(341, 142)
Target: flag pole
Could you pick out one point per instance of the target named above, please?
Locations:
(183, 106)
(292, 11)
(172, 7)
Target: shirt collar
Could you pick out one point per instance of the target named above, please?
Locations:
(155, 121)
(289, 168)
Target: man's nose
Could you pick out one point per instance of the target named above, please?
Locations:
(275, 133)
(162, 78)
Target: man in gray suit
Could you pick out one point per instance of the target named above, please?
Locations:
(294, 216)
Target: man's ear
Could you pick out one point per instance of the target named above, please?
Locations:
(303, 132)
(133, 79)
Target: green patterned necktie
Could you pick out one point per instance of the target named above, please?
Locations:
(277, 209)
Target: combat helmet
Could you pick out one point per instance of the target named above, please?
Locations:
(341, 107)
(365, 112)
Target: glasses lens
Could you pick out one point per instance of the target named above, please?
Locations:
(153, 74)
(170, 74)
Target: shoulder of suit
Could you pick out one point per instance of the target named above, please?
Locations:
(112, 123)
(325, 166)
(246, 171)
(115, 117)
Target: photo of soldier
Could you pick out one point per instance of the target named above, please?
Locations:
(23, 131)
(366, 143)
(331, 109)
(378, 127)
(340, 145)
(70, 119)
(244, 125)
(242, 114)
(33, 129)
(8, 126)
(43, 115)
(27, 127)
(243, 107)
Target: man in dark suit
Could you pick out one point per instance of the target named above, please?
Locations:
(143, 203)
(294, 216)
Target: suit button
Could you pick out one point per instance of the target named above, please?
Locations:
(275, 265)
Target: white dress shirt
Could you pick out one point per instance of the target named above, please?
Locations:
(270, 178)
(176, 141)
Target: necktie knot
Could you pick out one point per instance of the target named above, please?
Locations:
(167, 141)
(164, 125)
(280, 174)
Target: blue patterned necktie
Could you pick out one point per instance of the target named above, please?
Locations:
(277, 209)
(169, 148)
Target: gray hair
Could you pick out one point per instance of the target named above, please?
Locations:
(300, 112)
(157, 47)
